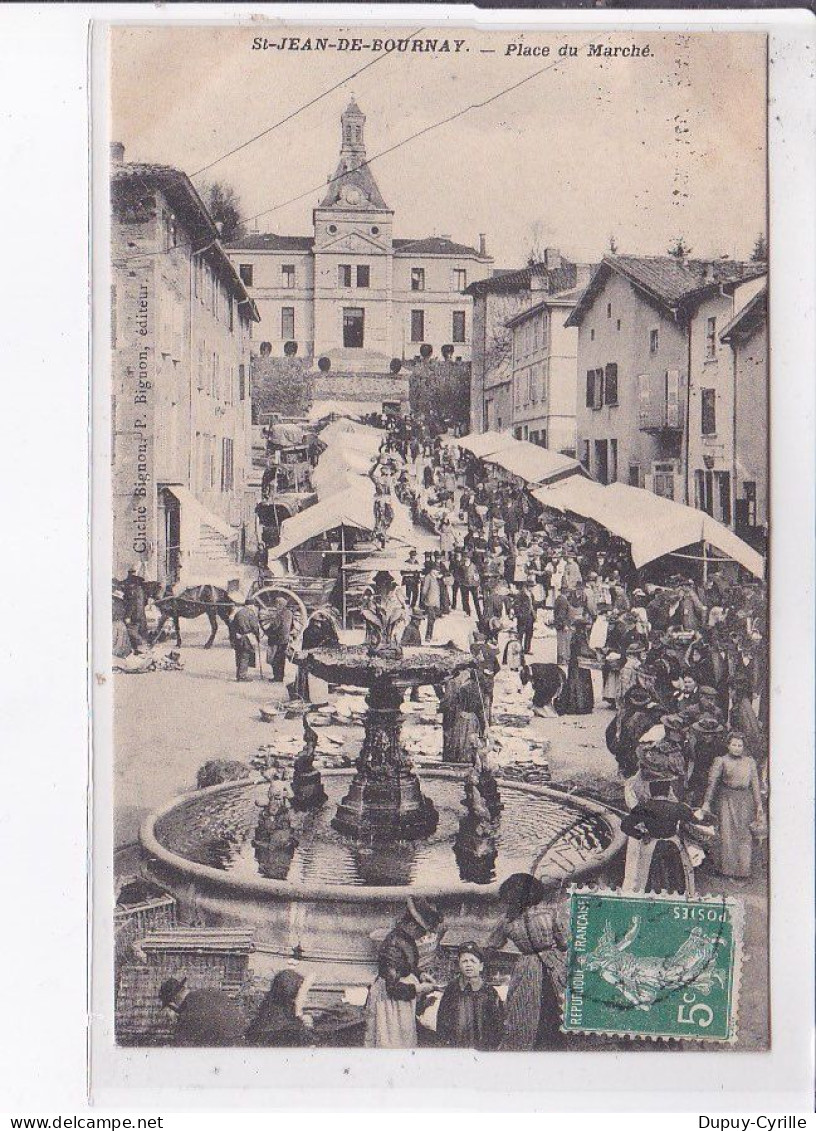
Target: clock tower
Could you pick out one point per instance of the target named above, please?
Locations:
(353, 260)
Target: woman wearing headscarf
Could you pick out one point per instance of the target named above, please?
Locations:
(577, 696)
(320, 632)
(532, 1014)
(471, 1014)
(279, 1021)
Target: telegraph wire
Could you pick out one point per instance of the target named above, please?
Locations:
(405, 141)
(299, 110)
(383, 153)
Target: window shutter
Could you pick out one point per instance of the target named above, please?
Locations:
(590, 388)
(673, 398)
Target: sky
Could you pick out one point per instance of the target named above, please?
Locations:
(644, 148)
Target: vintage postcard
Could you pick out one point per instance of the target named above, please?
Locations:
(438, 378)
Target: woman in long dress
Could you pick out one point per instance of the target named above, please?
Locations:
(577, 696)
(532, 1014)
(734, 796)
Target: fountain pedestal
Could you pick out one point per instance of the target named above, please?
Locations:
(385, 801)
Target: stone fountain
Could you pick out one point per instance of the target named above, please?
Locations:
(385, 799)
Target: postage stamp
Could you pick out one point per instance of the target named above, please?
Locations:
(653, 966)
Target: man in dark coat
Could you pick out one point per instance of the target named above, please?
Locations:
(135, 590)
(278, 631)
(525, 617)
(245, 634)
(204, 1018)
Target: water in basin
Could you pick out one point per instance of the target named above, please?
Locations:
(535, 831)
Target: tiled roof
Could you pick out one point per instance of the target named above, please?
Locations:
(746, 321)
(668, 281)
(270, 241)
(180, 191)
(511, 282)
(563, 298)
(433, 245)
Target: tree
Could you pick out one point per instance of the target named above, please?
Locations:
(680, 249)
(225, 208)
(440, 390)
(760, 252)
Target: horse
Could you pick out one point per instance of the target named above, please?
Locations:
(191, 603)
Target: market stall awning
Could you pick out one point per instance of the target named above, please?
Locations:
(338, 469)
(533, 463)
(354, 507)
(664, 526)
(484, 443)
(587, 499)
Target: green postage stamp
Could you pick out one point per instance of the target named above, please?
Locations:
(653, 966)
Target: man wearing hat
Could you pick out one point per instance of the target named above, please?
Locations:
(245, 636)
(401, 982)
(135, 591)
(204, 1018)
(708, 739)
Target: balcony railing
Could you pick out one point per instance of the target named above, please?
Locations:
(661, 417)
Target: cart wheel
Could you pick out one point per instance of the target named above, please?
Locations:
(264, 598)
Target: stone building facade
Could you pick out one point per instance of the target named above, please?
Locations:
(180, 338)
(545, 372)
(351, 291)
(496, 302)
(645, 367)
(747, 336)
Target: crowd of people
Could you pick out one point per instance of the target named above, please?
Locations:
(680, 665)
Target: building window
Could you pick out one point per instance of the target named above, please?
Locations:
(618, 325)
(592, 335)
(611, 384)
(458, 279)
(634, 474)
(488, 414)
(545, 330)
(353, 327)
(458, 326)
(227, 465)
(708, 402)
(363, 275)
(654, 341)
(517, 432)
(245, 271)
(417, 278)
(288, 273)
(609, 310)
(344, 275)
(663, 480)
(417, 325)
(613, 461)
(602, 461)
(712, 494)
(594, 388)
(241, 382)
(711, 338)
(287, 323)
(750, 490)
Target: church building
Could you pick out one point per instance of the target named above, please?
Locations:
(351, 292)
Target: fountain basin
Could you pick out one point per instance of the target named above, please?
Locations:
(356, 665)
(332, 894)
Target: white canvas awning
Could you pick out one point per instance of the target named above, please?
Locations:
(533, 463)
(354, 507)
(665, 526)
(481, 444)
(652, 525)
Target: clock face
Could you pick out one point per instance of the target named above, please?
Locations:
(352, 195)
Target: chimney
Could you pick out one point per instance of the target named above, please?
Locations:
(538, 280)
(117, 153)
(583, 274)
(482, 245)
(552, 258)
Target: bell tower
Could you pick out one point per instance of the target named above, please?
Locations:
(353, 254)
